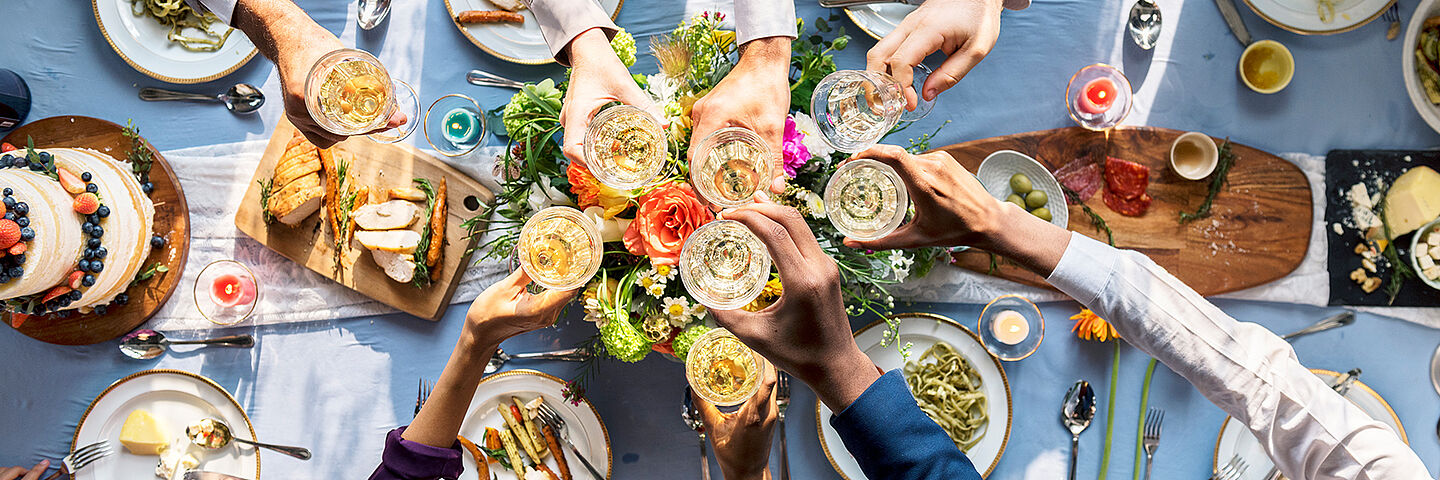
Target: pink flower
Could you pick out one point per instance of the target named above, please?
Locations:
(792, 148)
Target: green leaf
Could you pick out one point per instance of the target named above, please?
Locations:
(822, 25)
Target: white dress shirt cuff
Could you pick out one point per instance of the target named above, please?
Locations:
(562, 20)
(756, 19)
(225, 9)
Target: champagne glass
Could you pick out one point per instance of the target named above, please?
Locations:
(730, 166)
(722, 370)
(559, 248)
(625, 147)
(855, 108)
(348, 92)
(723, 265)
(866, 199)
(1098, 97)
(454, 125)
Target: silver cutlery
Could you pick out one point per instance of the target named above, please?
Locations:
(1435, 370)
(200, 475)
(691, 415)
(1392, 15)
(1079, 409)
(422, 396)
(782, 400)
(552, 418)
(146, 344)
(487, 79)
(1154, 419)
(567, 355)
(1334, 321)
(371, 13)
(223, 432)
(81, 458)
(1231, 470)
(856, 3)
(1144, 23)
(1233, 20)
(241, 98)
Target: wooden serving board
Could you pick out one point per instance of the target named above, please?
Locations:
(380, 166)
(1258, 230)
(172, 221)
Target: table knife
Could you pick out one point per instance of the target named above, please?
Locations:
(856, 3)
(199, 475)
(1232, 18)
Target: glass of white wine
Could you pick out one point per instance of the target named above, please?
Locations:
(866, 199)
(722, 370)
(855, 108)
(730, 166)
(348, 92)
(559, 248)
(625, 147)
(723, 265)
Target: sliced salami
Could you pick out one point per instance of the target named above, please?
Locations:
(1128, 207)
(1081, 176)
(1126, 179)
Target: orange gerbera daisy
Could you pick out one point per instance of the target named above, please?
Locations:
(590, 192)
(1089, 326)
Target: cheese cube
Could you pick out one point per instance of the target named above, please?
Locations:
(1434, 238)
(1413, 200)
(1424, 261)
(142, 434)
(1433, 273)
(1359, 197)
(1435, 252)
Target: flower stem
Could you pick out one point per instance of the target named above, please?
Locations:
(1140, 425)
(1110, 411)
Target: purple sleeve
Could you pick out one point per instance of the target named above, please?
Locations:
(407, 460)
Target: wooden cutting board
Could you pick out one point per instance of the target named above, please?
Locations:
(380, 166)
(1258, 230)
(172, 220)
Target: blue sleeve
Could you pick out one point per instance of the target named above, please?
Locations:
(892, 438)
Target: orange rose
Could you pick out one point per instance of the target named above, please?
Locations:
(590, 192)
(667, 216)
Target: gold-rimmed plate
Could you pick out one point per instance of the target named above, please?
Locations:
(144, 44)
(922, 330)
(1303, 16)
(1235, 439)
(519, 43)
(587, 431)
(175, 398)
(879, 19)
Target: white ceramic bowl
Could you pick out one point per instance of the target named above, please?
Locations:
(1427, 111)
(1416, 242)
(995, 172)
(1207, 148)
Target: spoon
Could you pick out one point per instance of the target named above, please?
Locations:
(372, 12)
(1078, 411)
(146, 344)
(1338, 320)
(214, 434)
(568, 355)
(1144, 24)
(241, 98)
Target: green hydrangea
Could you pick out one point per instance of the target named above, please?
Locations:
(624, 341)
(533, 101)
(624, 46)
(685, 339)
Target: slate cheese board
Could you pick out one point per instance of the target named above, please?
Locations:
(1377, 169)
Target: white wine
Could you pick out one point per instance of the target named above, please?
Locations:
(625, 148)
(855, 108)
(723, 265)
(559, 248)
(866, 199)
(730, 166)
(349, 92)
(721, 369)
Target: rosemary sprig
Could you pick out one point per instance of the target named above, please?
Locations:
(1217, 182)
(1095, 219)
(422, 270)
(139, 156)
(1399, 270)
(149, 272)
(266, 189)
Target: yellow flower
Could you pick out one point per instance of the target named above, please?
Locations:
(768, 296)
(1089, 326)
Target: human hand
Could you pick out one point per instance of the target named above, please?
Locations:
(34, 473)
(293, 62)
(951, 206)
(754, 95)
(506, 309)
(806, 332)
(742, 438)
(964, 29)
(599, 78)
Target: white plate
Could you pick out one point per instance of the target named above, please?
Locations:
(141, 41)
(1303, 16)
(176, 398)
(923, 330)
(521, 43)
(1427, 110)
(995, 172)
(878, 20)
(587, 432)
(1235, 438)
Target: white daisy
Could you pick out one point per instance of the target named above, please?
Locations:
(813, 140)
(664, 273)
(677, 310)
(657, 290)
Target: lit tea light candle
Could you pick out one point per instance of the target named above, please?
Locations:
(1010, 327)
(460, 126)
(229, 290)
(1097, 96)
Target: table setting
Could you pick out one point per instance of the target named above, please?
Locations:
(265, 302)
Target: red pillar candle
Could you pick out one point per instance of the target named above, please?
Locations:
(230, 290)
(1097, 96)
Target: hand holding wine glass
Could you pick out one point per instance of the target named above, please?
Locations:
(965, 30)
(742, 438)
(600, 78)
(755, 95)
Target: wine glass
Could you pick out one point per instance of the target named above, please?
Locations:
(723, 265)
(722, 370)
(1098, 97)
(855, 108)
(866, 199)
(559, 248)
(348, 92)
(730, 166)
(625, 147)
(454, 125)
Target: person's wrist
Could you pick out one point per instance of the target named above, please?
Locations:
(590, 47)
(842, 378)
(762, 54)
(745, 469)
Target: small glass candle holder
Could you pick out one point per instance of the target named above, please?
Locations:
(722, 370)
(730, 166)
(226, 292)
(723, 265)
(1011, 327)
(625, 147)
(454, 125)
(559, 248)
(1098, 97)
(866, 199)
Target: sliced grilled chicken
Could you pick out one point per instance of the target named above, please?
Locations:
(399, 241)
(391, 215)
(399, 267)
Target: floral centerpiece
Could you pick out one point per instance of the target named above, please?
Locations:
(637, 301)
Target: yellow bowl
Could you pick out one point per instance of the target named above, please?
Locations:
(1270, 66)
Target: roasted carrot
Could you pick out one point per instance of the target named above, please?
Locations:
(492, 438)
(482, 465)
(559, 454)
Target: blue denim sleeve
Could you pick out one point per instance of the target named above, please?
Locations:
(892, 438)
(407, 460)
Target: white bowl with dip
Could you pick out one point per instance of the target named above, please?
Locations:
(1194, 155)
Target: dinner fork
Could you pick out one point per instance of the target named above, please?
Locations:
(552, 418)
(424, 394)
(1232, 470)
(1153, 420)
(1392, 15)
(782, 400)
(487, 79)
(82, 457)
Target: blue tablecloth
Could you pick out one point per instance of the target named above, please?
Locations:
(338, 386)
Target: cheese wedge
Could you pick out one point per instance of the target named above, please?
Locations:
(142, 434)
(399, 267)
(1413, 200)
(391, 215)
(397, 241)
